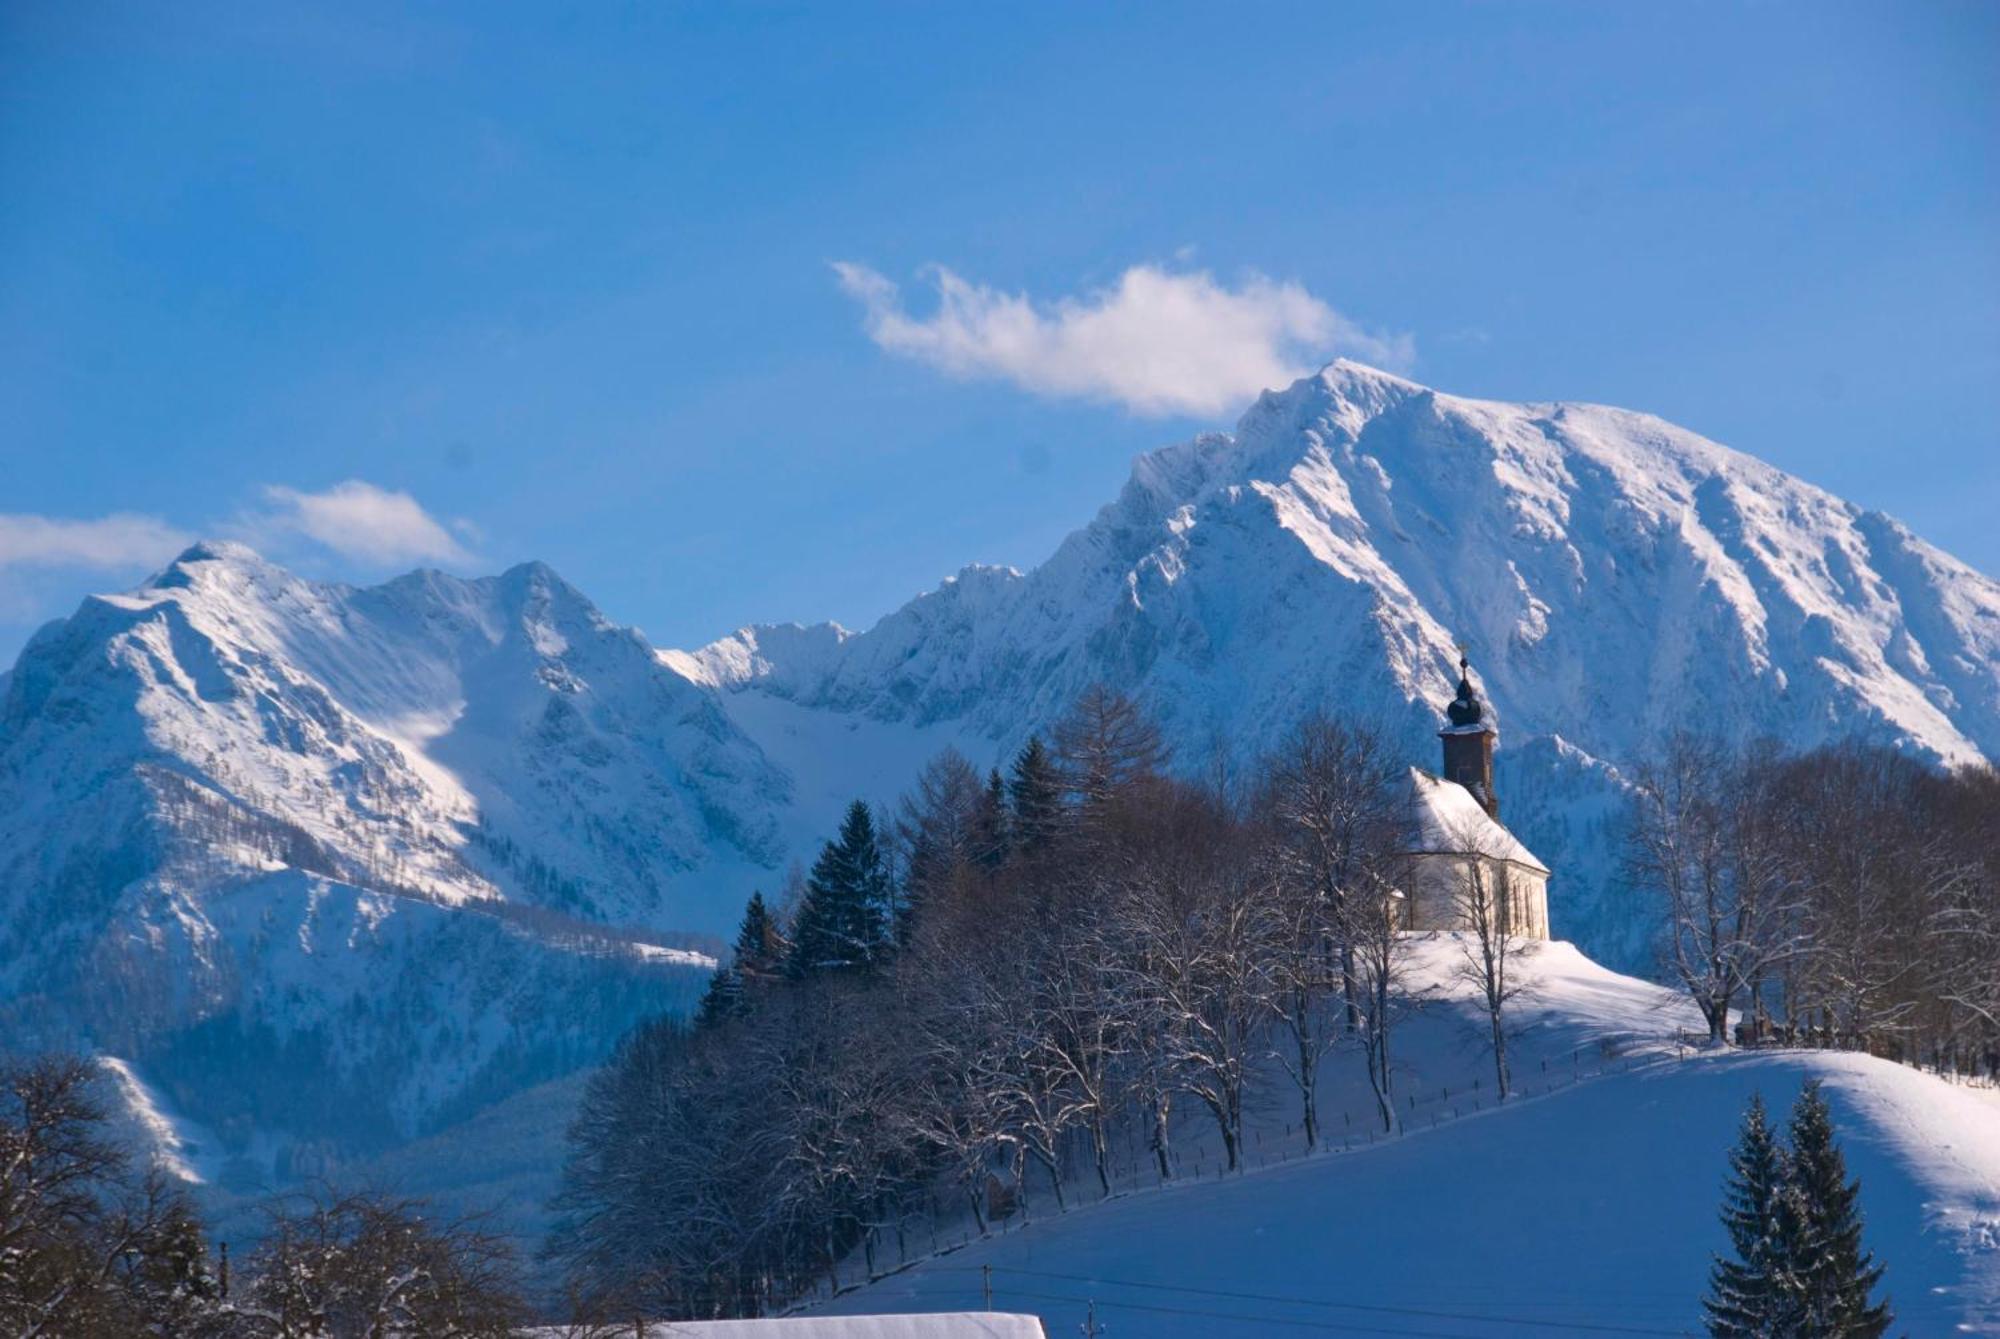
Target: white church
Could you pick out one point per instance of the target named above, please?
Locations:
(1465, 858)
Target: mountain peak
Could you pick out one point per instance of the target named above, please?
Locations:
(218, 551)
(1347, 372)
(208, 560)
(533, 570)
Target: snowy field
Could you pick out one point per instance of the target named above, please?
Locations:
(1591, 1208)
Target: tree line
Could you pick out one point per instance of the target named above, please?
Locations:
(975, 996)
(1845, 896)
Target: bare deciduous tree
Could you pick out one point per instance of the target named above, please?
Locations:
(1489, 902)
(1702, 841)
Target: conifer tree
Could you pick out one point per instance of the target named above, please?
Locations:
(990, 841)
(1751, 1295)
(757, 957)
(721, 1000)
(843, 922)
(1821, 1220)
(760, 944)
(1105, 744)
(1035, 791)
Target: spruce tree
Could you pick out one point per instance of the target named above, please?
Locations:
(722, 1000)
(760, 945)
(843, 921)
(1750, 1296)
(990, 842)
(757, 956)
(1035, 790)
(1822, 1220)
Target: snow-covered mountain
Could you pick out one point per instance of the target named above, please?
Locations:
(413, 841)
(1612, 574)
(430, 841)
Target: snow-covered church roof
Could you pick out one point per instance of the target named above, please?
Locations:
(1450, 820)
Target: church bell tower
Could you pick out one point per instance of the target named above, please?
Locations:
(1468, 738)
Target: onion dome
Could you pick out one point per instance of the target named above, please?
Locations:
(1466, 710)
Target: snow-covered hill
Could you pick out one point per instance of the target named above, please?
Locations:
(436, 840)
(1588, 1209)
(1613, 575)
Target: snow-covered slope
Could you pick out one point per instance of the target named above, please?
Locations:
(1613, 575)
(1591, 1209)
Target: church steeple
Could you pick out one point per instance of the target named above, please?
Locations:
(1468, 739)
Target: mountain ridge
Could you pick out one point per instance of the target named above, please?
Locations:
(1313, 456)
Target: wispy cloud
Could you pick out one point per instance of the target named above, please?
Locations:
(1157, 342)
(358, 520)
(121, 540)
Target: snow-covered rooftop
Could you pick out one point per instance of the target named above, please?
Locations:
(1450, 819)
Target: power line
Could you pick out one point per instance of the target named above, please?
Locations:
(1276, 1299)
(1335, 1328)
(1327, 1326)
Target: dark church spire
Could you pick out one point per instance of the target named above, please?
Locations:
(1468, 741)
(1465, 709)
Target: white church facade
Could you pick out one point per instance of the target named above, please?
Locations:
(1466, 864)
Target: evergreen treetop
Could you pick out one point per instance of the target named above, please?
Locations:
(843, 922)
(760, 944)
(1034, 791)
(1747, 1294)
(1794, 1225)
(721, 1000)
(990, 849)
(1834, 1273)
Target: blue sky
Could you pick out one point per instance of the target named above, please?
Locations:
(467, 285)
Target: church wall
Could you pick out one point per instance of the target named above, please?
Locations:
(1435, 890)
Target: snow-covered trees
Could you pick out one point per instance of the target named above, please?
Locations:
(1821, 1219)
(1087, 958)
(367, 1266)
(87, 1247)
(1745, 1289)
(1195, 905)
(1797, 1269)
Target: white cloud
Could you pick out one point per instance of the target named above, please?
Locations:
(359, 520)
(122, 540)
(1157, 342)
